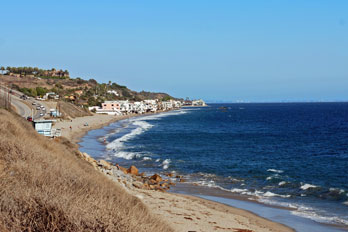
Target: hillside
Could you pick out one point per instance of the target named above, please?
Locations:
(77, 90)
(46, 187)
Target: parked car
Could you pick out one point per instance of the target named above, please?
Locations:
(33, 103)
(41, 114)
(30, 119)
(24, 97)
(38, 108)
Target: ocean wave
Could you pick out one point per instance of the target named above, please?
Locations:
(282, 183)
(141, 127)
(270, 194)
(311, 213)
(276, 176)
(274, 170)
(308, 186)
(337, 190)
(161, 115)
(271, 201)
(210, 184)
(147, 158)
(165, 164)
(125, 155)
(237, 190)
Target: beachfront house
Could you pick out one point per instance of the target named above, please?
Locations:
(199, 102)
(151, 105)
(111, 105)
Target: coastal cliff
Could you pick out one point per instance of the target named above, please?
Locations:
(45, 186)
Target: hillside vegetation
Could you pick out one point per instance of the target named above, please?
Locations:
(46, 187)
(76, 90)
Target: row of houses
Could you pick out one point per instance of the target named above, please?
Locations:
(138, 107)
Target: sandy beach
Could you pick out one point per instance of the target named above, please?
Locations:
(189, 213)
(81, 125)
(182, 212)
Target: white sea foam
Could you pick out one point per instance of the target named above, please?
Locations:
(345, 203)
(308, 186)
(210, 184)
(157, 160)
(282, 183)
(270, 201)
(273, 177)
(125, 155)
(310, 213)
(274, 170)
(118, 143)
(270, 194)
(161, 115)
(340, 191)
(147, 158)
(237, 190)
(165, 164)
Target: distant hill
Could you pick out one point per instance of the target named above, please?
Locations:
(76, 90)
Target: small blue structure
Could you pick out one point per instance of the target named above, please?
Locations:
(54, 113)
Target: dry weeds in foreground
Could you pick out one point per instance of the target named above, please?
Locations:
(45, 187)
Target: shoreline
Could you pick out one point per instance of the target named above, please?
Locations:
(173, 207)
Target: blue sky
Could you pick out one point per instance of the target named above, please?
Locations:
(215, 50)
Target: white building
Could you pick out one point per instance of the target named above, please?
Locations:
(114, 92)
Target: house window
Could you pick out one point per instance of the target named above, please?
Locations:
(112, 104)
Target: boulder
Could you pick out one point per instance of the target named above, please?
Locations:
(132, 170)
(104, 164)
(142, 174)
(169, 174)
(124, 170)
(85, 155)
(182, 180)
(164, 185)
(156, 178)
(152, 181)
(138, 184)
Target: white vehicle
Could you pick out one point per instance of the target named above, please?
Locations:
(33, 103)
(41, 114)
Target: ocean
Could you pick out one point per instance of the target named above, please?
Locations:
(292, 155)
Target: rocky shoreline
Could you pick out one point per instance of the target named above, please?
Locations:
(181, 212)
(131, 178)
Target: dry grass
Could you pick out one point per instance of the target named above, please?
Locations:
(69, 110)
(45, 187)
